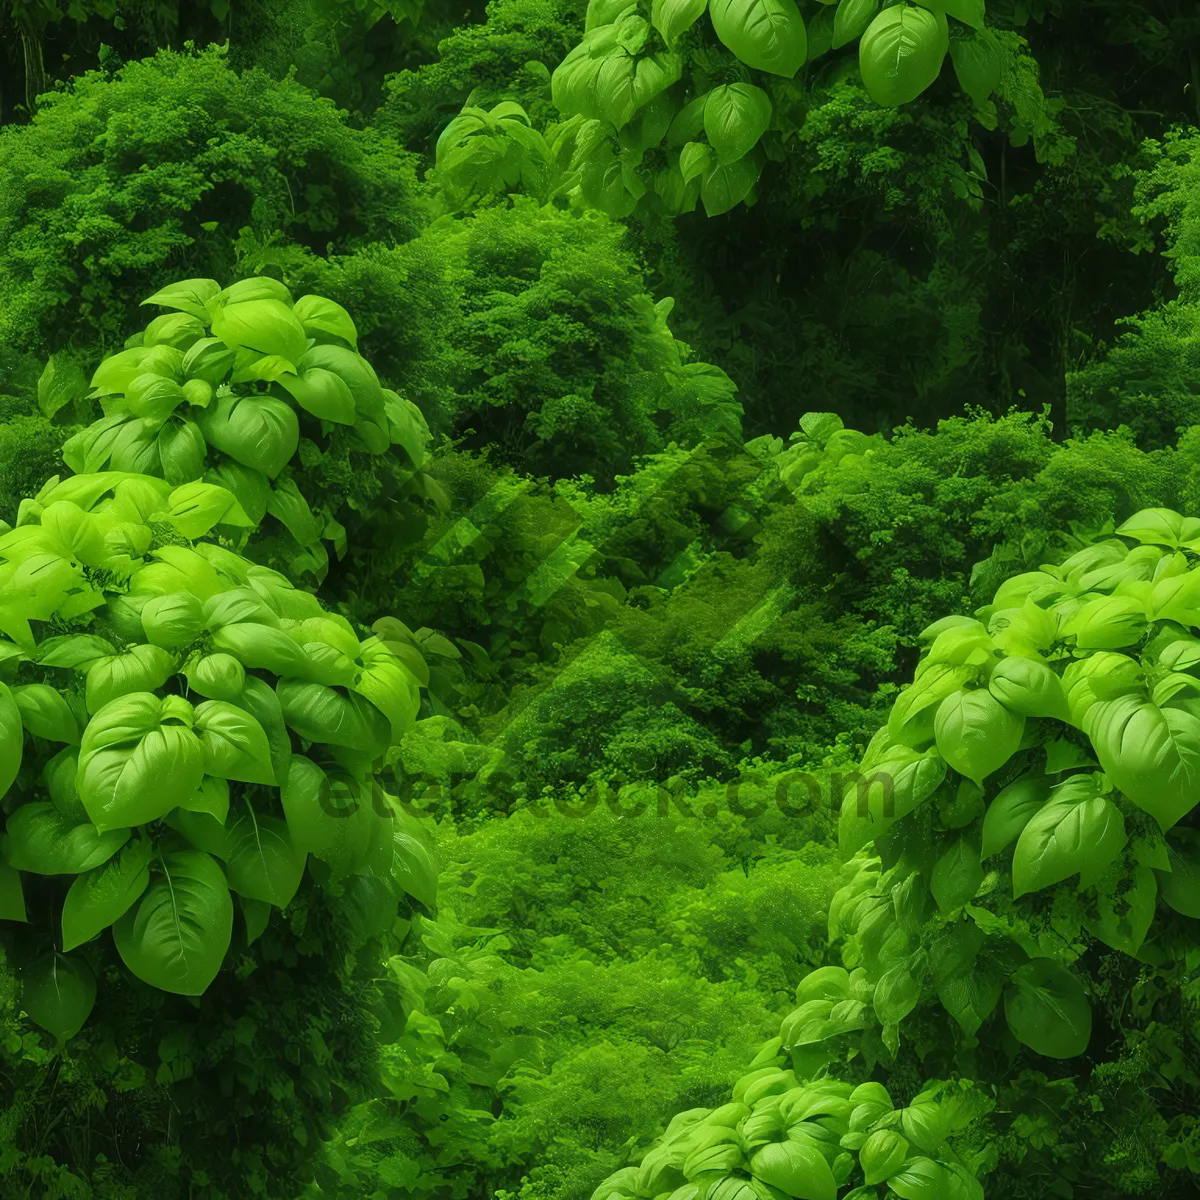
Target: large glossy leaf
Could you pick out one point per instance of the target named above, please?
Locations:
(58, 992)
(333, 717)
(188, 295)
(234, 744)
(976, 734)
(1075, 830)
(39, 838)
(768, 35)
(143, 668)
(1048, 1010)
(1152, 754)
(261, 859)
(882, 1155)
(100, 896)
(175, 937)
(138, 759)
(1011, 810)
(267, 325)
(1029, 688)
(45, 713)
(260, 432)
(736, 115)
(797, 1167)
(901, 53)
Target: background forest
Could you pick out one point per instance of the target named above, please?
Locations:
(626, 419)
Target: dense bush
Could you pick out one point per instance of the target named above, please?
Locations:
(178, 726)
(124, 183)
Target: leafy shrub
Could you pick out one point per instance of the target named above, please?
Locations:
(533, 334)
(120, 185)
(234, 384)
(180, 726)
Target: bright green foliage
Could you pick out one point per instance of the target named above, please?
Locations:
(481, 153)
(221, 392)
(89, 581)
(637, 94)
(169, 161)
(184, 737)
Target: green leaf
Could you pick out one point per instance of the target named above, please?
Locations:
(922, 1179)
(911, 719)
(902, 781)
(268, 326)
(143, 669)
(957, 875)
(768, 35)
(728, 184)
(896, 994)
(976, 734)
(797, 1167)
(40, 839)
(260, 647)
(78, 650)
(1124, 913)
(736, 115)
(673, 18)
(209, 360)
(1151, 754)
(60, 382)
(197, 508)
(45, 713)
(153, 398)
(212, 797)
(216, 676)
(176, 936)
(322, 714)
(234, 744)
(1075, 830)
(12, 739)
(58, 992)
(1107, 623)
(1011, 811)
(261, 702)
(138, 759)
(882, 1155)
(100, 896)
(1029, 688)
(969, 12)
(288, 506)
(188, 295)
(262, 861)
(257, 431)
(321, 393)
(321, 316)
(181, 450)
(969, 984)
(851, 19)
(177, 329)
(1047, 1009)
(901, 53)
(695, 159)
(978, 65)
(414, 867)
(328, 817)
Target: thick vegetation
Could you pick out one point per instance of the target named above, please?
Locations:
(599, 600)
